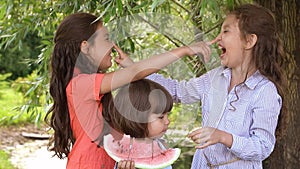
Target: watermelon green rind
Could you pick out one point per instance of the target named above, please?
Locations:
(172, 153)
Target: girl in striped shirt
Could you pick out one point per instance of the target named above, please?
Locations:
(242, 100)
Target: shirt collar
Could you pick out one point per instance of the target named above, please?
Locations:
(251, 82)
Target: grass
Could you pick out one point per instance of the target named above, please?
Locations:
(4, 161)
(9, 100)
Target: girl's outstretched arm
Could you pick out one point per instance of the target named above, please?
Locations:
(124, 61)
(148, 66)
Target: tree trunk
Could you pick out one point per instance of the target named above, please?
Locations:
(286, 154)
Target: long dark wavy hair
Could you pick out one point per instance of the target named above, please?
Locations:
(268, 53)
(129, 111)
(74, 29)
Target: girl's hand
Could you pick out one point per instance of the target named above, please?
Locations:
(201, 49)
(126, 164)
(122, 59)
(209, 136)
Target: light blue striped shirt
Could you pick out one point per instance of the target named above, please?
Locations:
(251, 120)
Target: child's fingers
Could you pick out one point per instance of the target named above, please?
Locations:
(129, 164)
(204, 51)
(121, 164)
(116, 46)
(126, 164)
(198, 138)
(132, 165)
(212, 41)
(201, 146)
(118, 60)
(194, 132)
(119, 50)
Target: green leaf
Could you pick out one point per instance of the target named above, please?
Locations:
(144, 4)
(120, 6)
(230, 4)
(105, 11)
(156, 3)
(27, 21)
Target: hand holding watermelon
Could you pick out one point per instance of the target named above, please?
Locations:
(126, 164)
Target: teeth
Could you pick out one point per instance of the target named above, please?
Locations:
(222, 49)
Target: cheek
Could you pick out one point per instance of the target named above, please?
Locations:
(104, 47)
(150, 126)
(153, 126)
(107, 45)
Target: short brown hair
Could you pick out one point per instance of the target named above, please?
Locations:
(134, 103)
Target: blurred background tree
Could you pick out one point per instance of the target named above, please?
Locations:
(287, 150)
(28, 27)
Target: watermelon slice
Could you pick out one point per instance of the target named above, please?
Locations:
(147, 155)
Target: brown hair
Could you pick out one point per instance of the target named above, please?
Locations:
(268, 53)
(71, 32)
(130, 110)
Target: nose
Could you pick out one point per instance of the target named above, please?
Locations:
(167, 121)
(112, 44)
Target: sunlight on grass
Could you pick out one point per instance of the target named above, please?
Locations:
(9, 100)
(10, 115)
(4, 161)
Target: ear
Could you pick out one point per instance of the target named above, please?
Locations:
(84, 47)
(251, 40)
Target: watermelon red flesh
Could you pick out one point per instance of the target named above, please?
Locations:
(144, 154)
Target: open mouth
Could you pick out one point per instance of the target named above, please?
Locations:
(223, 50)
(164, 130)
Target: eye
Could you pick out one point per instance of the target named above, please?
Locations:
(107, 37)
(110, 37)
(225, 31)
(164, 115)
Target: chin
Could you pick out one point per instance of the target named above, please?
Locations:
(222, 63)
(156, 136)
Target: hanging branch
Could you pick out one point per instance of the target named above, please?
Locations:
(191, 61)
(182, 7)
(164, 34)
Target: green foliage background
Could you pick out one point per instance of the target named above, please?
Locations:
(27, 28)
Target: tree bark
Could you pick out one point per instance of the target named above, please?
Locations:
(286, 154)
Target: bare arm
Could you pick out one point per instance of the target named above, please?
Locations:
(148, 66)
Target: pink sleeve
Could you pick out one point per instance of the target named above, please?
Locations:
(98, 82)
(84, 103)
